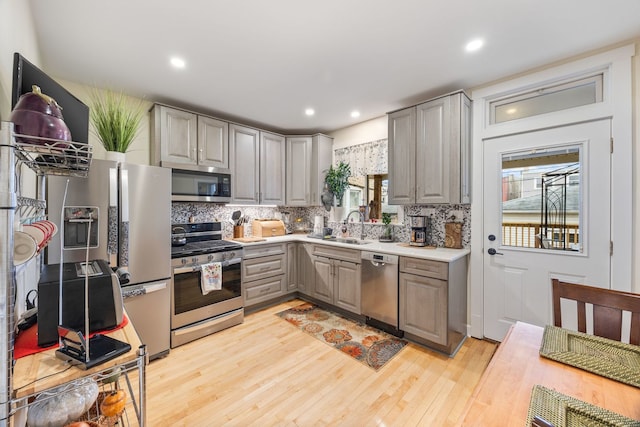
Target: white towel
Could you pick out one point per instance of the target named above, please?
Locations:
(211, 277)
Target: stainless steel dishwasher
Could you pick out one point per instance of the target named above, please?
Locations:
(379, 291)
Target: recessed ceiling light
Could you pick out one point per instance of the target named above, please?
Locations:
(355, 114)
(474, 45)
(178, 62)
(309, 111)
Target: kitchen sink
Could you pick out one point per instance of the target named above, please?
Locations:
(352, 241)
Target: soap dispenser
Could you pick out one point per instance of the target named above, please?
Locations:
(344, 230)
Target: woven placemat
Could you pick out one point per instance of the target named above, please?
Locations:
(564, 411)
(602, 356)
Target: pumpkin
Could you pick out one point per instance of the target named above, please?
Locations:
(113, 403)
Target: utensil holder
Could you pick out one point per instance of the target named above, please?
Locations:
(238, 231)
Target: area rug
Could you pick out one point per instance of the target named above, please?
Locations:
(364, 343)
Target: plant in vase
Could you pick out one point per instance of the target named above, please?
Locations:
(387, 231)
(337, 181)
(115, 120)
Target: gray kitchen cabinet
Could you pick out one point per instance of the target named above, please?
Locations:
(336, 276)
(293, 262)
(433, 302)
(264, 269)
(429, 152)
(308, 159)
(186, 139)
(323, 279)
(272, 168)
(257, 165)
(306, 271)
(213, 142)
(402, 156)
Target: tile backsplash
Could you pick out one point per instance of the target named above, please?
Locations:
(182, 212)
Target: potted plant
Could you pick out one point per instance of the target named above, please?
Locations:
(387, 231)
(116, 120)
(337, 180)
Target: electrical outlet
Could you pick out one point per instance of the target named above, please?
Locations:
(455, 216)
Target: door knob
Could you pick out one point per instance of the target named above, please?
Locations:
(492, 251)
(491, 237)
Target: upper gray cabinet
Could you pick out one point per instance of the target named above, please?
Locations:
(272, 168)
(308, 159)
(213, 142)
(187, 139)
(429, 152)
(257, 165)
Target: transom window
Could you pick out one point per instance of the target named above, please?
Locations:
(575, 93)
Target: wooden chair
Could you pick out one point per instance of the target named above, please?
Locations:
(607, 309)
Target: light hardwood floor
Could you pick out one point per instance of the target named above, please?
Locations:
(265, 372)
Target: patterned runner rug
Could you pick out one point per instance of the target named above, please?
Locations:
(364, 343)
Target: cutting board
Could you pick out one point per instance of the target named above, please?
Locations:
(453, 235)
(249, 239)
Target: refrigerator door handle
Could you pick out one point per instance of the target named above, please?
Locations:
(112, 218)
(124, 220)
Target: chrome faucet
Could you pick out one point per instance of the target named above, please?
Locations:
(359, 212)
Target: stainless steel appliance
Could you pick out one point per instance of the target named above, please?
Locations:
(193, 313)
(130, 208)
(420, 230)
(379, 291)
(212, 186)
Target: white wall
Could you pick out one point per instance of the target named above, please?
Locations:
(139, 151)
(17, 34)
(371, 130)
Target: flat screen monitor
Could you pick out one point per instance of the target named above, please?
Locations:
(74, 111)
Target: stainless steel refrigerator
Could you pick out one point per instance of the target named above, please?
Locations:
(129, 207)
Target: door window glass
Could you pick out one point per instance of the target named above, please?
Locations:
(548, 99)
(541, 203)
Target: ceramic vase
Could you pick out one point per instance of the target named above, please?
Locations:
(115, 156)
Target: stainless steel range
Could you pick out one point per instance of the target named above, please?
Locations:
(194, 313)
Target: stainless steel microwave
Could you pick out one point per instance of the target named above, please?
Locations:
(196, 186)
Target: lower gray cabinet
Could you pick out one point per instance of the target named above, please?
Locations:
(336, 276)
(433, 302)
(423, 307)
(292, 266)
(306, 271)
(264, 273)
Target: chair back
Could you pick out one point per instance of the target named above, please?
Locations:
(608, 306)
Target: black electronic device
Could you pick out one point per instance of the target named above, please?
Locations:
(75, 112)
(102, 348)
(105, 299)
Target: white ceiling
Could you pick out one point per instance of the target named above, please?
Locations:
(263, 62)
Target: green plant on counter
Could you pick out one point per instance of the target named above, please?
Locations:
(386, 218)
(115, 119)
(337, 179)
(387, 232)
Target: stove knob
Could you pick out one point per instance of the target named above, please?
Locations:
(184, 261)
(230, 255)
(194, 260)
(210, 257)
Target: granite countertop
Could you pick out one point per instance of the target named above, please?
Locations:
(393, 248)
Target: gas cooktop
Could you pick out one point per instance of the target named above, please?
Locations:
(201, 238)
(203, 247)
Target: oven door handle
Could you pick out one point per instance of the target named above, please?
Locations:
(192, 268)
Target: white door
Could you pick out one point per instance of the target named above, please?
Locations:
(547, 215)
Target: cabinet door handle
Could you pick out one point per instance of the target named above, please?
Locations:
(200, 151)
(195, 153)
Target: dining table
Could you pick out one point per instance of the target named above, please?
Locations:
(503, 395)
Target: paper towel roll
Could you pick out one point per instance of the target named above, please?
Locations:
(318, 224)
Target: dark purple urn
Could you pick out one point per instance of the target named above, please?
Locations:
(37, 114)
